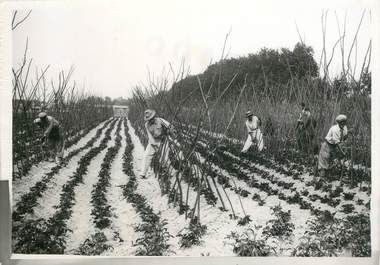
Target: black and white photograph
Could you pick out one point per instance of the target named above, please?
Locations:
(192, 128)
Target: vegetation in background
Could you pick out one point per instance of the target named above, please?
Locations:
(60, 98)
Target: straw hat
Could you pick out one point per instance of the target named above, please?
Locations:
(248, 114)
(341, 118)
(42, 115)
(38, 120)
(149, 114)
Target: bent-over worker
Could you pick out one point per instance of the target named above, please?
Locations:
(52, 136)
(332, 146)
(157, 129)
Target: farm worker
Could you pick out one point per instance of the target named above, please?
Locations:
(305, 113)
(305, 130)
(52, 135)
(303, 106)
(254, 133)
(332, 145)
(157, 129)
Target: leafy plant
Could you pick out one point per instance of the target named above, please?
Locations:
(348, 196)
(247, 245)
(279, 227)
(245, 220)
(154, 241)
(36, 236)
(95, 245)
(328, 236)
(192, 234)
(348, 208)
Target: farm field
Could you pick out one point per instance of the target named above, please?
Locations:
(259, 139)
(95, 203)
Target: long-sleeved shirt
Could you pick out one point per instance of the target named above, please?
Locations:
(336, 135)
(156, 130)
(252, 125)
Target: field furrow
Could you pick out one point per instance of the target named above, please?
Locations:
(30, 200)
(55, 227)
(328, 200)
(219, 223)
(124, 217)
(38, 171)
(95, 203)
(81, 223)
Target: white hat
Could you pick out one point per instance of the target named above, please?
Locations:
(42, 114)
(248, 113)
(341, 118)
(149, 114)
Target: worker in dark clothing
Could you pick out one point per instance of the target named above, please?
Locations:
(305, 130)
(52, 136)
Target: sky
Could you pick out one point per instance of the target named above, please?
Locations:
(113, 44)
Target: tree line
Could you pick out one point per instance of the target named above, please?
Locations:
(271, 73)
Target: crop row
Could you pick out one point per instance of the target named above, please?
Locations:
(190, 171)
(271, 184)
(356, 176)
(291, 179)
(48, 236)
(352, 231)
(271, 181)
(101, 211)
(29, 200)
(96, 244)
(197, 174)
(288, 163)
(189, 174)
(319, 244)
(155, 236)
(327, 235)
(75, 137)
(27, 149)
(173, 172)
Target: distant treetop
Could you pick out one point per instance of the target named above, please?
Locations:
(268, 67)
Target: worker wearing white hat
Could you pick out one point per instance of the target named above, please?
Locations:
(254, 133)
(52, 135)
(157, 129)
(332, 144)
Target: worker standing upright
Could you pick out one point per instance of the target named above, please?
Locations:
(157, 130)
(255, 137)
(332, 146)
(305, 130)
(52, 136)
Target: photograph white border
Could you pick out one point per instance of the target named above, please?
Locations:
(6, 257)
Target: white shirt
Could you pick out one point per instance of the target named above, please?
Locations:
(334, 135)
(252, 125)
(155, 130)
